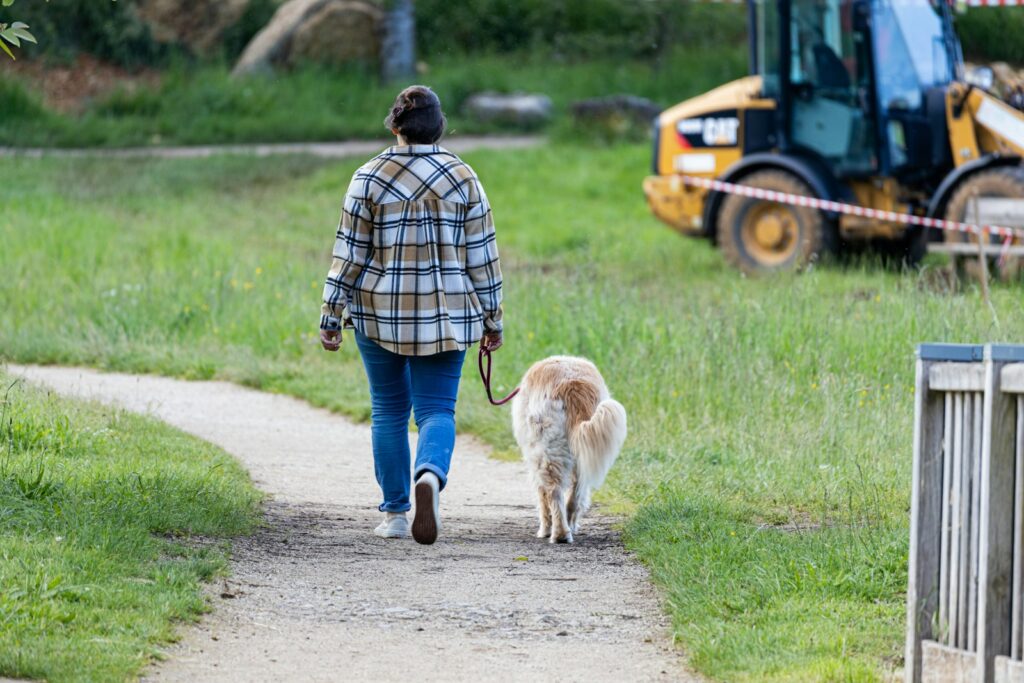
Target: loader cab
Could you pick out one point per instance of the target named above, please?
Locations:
(860, 84)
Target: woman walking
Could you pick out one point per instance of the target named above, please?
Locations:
(415, 274)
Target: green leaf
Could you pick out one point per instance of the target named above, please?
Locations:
(6, 49)
(8, 3)
(19, 24)
(24, 35)
(9, 36)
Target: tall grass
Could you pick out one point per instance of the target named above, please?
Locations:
(203, 104)
(767, 468)
(93, 507)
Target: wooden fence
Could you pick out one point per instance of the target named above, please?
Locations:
(965, 598)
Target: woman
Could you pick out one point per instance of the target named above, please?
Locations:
(416, 275)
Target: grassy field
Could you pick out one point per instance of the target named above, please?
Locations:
(203, 104)
(96, 507)
(767, 471)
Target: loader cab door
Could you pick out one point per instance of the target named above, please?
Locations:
(826, 85)
(917, 56)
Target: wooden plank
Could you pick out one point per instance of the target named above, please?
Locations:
(955, 516)
(972, 594)
(956, 377)
(1008, 671)
(1001, 211)
(944, 664)
(996, 533)
(964, 526)
(1016, 604)
(1013, 378)
(925, 516)
(947, 483)
(971, 249)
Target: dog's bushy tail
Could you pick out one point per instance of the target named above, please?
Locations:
(596, 442)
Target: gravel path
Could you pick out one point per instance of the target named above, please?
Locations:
(349, 148)
(314, 596)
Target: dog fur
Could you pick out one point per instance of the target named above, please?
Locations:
(570, 431)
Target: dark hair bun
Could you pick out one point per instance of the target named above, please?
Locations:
(416, 114)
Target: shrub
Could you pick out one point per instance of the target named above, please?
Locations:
(109, 30)
(18, 103)
(585, 28)
(992, 34)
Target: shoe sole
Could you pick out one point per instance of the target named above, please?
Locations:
(386, 534)
(424, 524)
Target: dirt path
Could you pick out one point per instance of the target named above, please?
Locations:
(319, 598)
(349, 148)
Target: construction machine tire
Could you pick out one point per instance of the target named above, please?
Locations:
(759, 236)
(1003, 182)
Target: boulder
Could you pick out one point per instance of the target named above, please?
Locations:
(518, 109)
(616, 107)
(198, 25)
(616, 116)
(338, 34)
(328, 31)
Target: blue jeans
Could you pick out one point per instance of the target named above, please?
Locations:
(427, 385)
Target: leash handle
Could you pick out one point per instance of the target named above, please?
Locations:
(484, 362)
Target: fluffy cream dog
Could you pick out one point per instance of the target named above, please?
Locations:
(570, 431)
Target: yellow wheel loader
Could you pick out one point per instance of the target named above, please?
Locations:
(856, 101)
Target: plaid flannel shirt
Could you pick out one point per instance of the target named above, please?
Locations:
(415, 264)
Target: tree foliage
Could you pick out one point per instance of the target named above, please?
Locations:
(12, 34)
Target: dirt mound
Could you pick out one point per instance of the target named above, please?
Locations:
(70, 88)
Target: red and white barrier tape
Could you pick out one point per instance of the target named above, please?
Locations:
(993, 3)
(968, 3)
(1008, 234)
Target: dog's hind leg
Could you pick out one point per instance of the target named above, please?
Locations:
(544, 511)
(580, 505)
(560, 532)
(572, 504)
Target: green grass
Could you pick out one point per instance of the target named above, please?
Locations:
(769, 456)
(201, 105)
(97, 511)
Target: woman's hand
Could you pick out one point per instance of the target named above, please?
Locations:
(491, 341)
(330, 339)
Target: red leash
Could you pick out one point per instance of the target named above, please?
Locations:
(485, 375)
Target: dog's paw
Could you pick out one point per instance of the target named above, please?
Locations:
(563, 539)
(543, 532)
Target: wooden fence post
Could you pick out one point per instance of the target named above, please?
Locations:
(925, 527)
(995, 578)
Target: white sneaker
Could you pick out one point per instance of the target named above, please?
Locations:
(395, 525)
(426, 525)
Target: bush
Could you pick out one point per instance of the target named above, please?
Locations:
(992, 34)
(585, 28)
(18, 102)
(109, 30)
